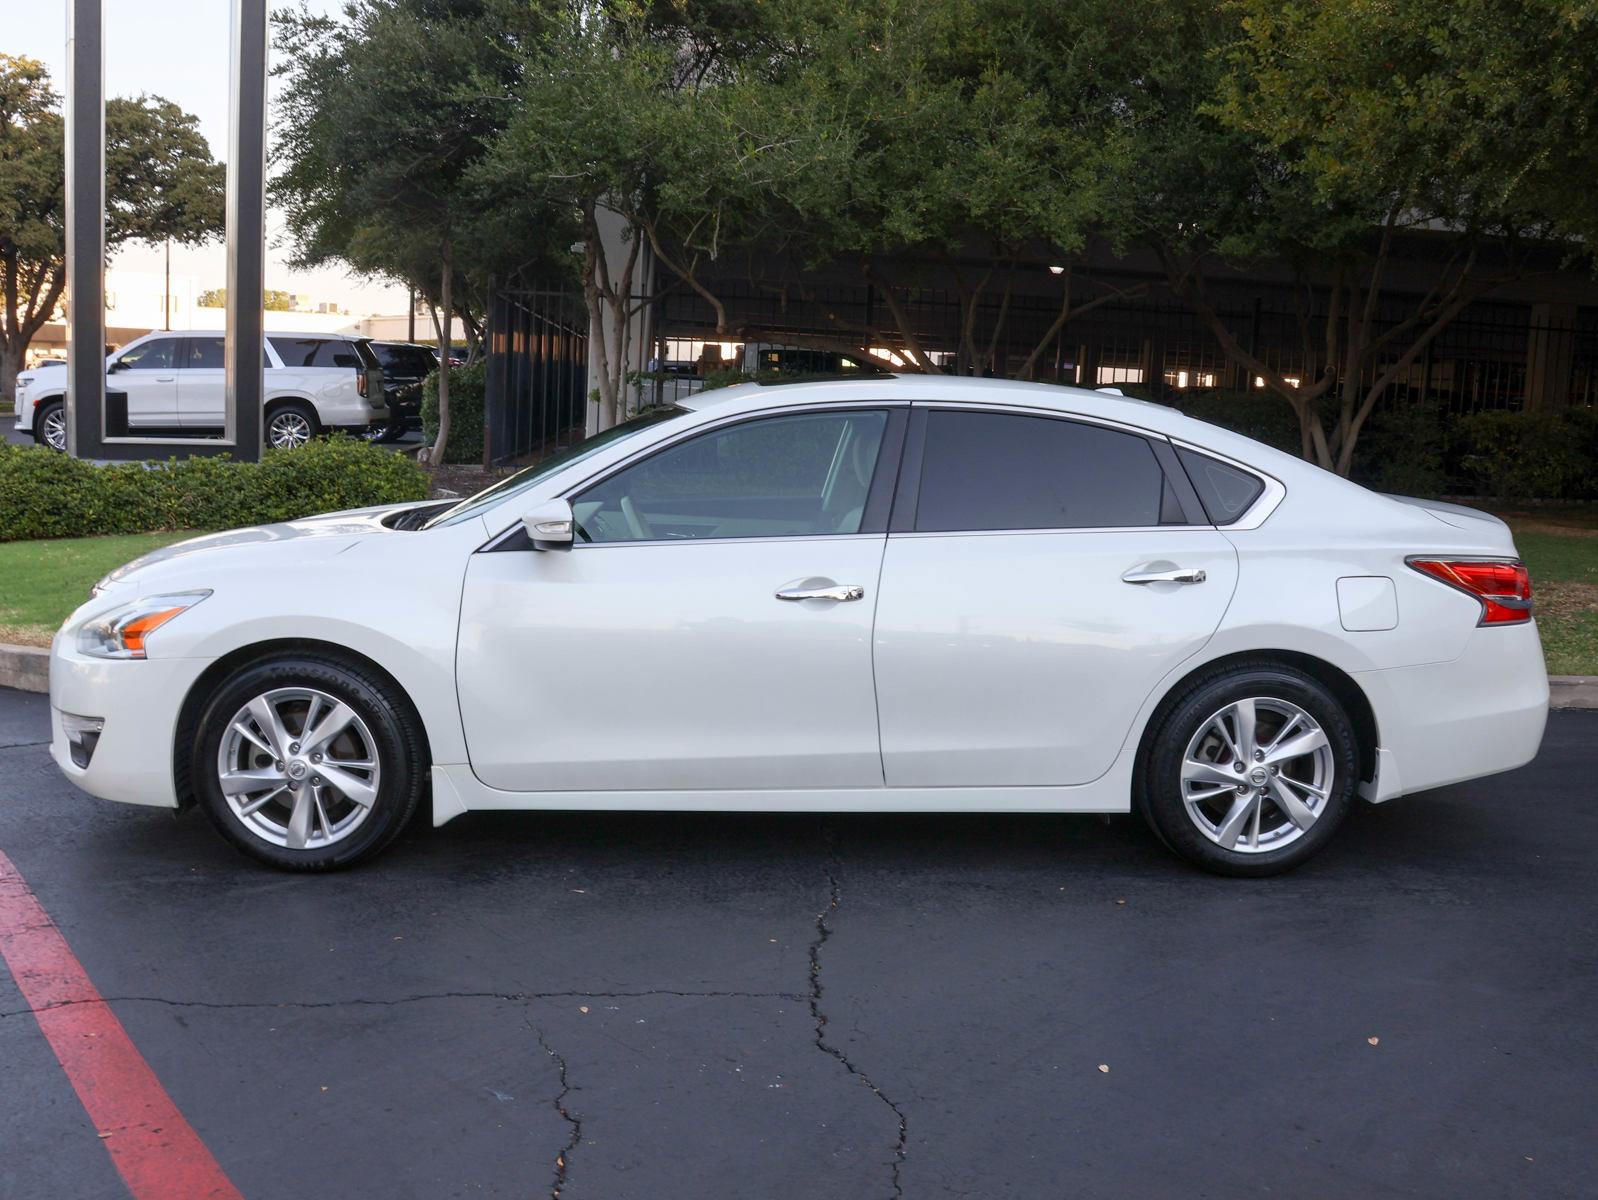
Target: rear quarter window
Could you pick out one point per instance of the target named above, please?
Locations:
(318, 352)
(1227, 492)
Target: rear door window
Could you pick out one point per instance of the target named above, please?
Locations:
(202, 354)
(995, 471)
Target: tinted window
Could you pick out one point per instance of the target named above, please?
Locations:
(204, 354)
(776, 477)
(152, 356)
(315, 352)
(531, 476)
(1225, 491)
(1002, 471)
(405, 360)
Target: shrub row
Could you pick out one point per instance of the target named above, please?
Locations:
(1417, 449)
(45, 494)
(467, 387)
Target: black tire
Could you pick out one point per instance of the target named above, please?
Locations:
(1158, 785)
(288, 410)
(46, 412)
(392, 432)
(394, 728)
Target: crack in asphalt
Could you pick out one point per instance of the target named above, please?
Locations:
(563, 1156)
(23, 745)
(391, 1001)
(823, 933)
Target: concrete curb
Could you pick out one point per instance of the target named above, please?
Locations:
(27, 668)
(1573, 691)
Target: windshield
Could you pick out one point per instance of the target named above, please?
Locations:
(545, 467)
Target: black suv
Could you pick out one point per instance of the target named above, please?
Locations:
(405, 366)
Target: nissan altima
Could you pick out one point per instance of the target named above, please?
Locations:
(906, 594)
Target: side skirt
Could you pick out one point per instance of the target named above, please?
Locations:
(456, 790)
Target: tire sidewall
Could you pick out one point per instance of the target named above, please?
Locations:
(1161, 791)
(397, 795)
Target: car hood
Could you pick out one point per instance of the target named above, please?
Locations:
(307, 540)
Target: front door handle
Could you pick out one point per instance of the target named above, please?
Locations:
(1174, 575)
(831, 591)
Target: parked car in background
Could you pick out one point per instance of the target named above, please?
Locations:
(921, 594)
(406, 366)
(175, 383)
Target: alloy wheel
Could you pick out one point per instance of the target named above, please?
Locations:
(299, 768)
(288, 431)
(1257, 774)
(55, 428)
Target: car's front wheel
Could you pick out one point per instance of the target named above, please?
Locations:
(308, 764)
(1250, 770)
(50, 425)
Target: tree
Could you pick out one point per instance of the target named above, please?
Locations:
(273, 301)
(161, 184)
(382, 115)
(1329, 136)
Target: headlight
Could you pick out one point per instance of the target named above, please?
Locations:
(122, 632)
(24, 380)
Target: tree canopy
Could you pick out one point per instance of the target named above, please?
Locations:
(981, 136)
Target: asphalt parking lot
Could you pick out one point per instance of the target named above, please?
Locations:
(856, 1007)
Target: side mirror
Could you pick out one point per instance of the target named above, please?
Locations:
(116, 366)
(550, 525)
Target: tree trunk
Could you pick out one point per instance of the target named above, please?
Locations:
(435, 456)
(10, 367)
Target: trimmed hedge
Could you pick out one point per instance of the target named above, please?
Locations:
(1531, 456)
(46, 494)
(467, 387)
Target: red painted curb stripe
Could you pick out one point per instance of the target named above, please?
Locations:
(157, 1152)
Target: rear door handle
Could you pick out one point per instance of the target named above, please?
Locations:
(833, 591)
(1174, 575)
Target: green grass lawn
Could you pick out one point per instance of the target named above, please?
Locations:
(1560, 546)
(42, 582)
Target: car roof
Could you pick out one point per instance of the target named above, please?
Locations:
(1067, 401)
(271, 333)
(1110, 406)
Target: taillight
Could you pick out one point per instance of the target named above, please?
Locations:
(360, 383)
(1502, 585)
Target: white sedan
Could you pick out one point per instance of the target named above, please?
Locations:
(910, 595)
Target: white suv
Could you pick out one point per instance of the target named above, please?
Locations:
(173, 382)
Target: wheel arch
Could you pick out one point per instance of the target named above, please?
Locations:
(213, 676)
(1339, 682)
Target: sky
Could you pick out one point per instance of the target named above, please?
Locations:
(179, 49)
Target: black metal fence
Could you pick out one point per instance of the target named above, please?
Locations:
(1495, 356)
(537, 386)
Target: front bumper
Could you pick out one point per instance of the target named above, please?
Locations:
(139, 701)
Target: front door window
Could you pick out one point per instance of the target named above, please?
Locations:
(803, 475)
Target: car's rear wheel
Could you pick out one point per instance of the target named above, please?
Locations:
(290, 425)
(384, 434)
(308, 764)
(1250, 771)
(51, 422)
